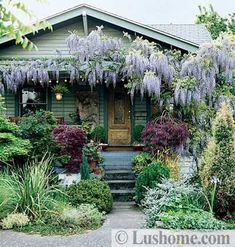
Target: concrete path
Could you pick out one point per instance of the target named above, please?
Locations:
(120, 217)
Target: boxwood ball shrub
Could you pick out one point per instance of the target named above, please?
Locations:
(164, 133)
(91, 191)
(149, 177)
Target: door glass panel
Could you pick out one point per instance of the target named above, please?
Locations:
(119, 108)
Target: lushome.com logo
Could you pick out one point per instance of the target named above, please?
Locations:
(155, 237)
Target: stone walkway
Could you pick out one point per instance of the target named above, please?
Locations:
(120, 217)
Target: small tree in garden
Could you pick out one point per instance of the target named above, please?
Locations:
(71, 140)
(164, 133)
(11, 145)
(84, 170)
(218, 162)
(37, 127)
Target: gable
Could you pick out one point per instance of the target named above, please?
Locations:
(73, 19)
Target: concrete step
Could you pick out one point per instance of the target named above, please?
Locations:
(124, 195)
(124, 204)
(119, 174)
(121, 184)
(117, 167)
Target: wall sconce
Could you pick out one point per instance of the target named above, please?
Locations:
(58, 96)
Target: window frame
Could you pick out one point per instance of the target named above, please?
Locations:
(46, 93)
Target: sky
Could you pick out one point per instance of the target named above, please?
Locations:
(144, 11)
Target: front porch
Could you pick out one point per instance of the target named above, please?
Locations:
(104, 106)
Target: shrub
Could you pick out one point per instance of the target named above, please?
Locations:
(91, 191)
(148, 178)
(15, 220)
(85, 216)
(137, 130)
(190, 220)
(71, 140)
(171, 196)
(98, 134)
(141, 160)
(85, 169)
(93, 152)
(171, 161)
(219, 159)
(164, 133)
(30, 189)
(144, 159)
(37, 127)
(11, 145)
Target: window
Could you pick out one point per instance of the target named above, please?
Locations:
(32, 98)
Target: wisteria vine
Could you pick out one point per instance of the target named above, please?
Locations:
(142, 65)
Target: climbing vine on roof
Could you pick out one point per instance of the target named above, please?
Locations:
(142, 65)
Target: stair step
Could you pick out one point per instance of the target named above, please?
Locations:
(124, 204)
(119, 175)
(123, 195)
(120, 181)
(108, 168)
(119, 171)
(127, 191)
(121, 184)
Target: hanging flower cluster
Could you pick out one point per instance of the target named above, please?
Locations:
(212, 60)
(146, 68)
(99, 56)
(151, 84)
(96, 44)
(16, 73)
(186, 90)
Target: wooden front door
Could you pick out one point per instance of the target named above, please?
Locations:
(119, 122)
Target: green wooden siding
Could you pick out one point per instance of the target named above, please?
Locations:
(67, 105)
(140, 110)
(101, 106)
(64, 107)
(46, 43)
(10, 104)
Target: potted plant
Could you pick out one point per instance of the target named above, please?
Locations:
(137, 143)
(59, 90)
(98, 135)
(92, 151)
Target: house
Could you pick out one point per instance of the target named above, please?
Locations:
(106, 106)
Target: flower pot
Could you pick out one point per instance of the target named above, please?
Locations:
(103, 146)
(97, 171)
(138, 147)
(93, 164)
